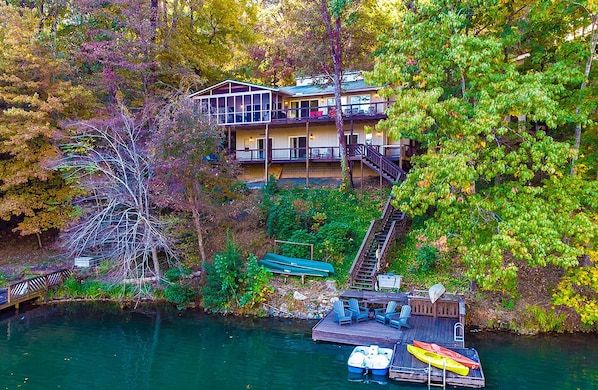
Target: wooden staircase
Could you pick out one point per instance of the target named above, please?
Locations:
(372, 256)
(376, 161)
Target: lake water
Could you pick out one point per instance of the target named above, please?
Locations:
(98, 346)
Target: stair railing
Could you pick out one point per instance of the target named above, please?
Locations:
(383, 163)
(367, 242)
(375, 226)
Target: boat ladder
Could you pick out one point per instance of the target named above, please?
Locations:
(430, 383)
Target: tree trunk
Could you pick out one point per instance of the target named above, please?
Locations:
(335, 44)
(156, 263)
(593, 39)
(199, 232)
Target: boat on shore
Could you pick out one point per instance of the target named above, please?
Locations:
(370, 359)
(312, 265)
(287, 269)
(437, 360)
(448, 353)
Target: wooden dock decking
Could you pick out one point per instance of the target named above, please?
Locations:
(405, 367)
(28, 289)
(439, 323)
(372, 332)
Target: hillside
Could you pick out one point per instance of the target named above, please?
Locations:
(21, 257)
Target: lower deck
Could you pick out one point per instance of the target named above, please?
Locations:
(437, 330)
(432, 323)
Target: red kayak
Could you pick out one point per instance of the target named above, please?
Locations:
(448, 353)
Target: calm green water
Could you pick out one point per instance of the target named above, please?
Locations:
(102, 347)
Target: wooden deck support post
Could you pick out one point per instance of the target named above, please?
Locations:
(266, 153)
(307, 154)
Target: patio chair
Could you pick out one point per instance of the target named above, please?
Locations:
(382, 314)
(403, 317)
(358, 313)
(342, 316)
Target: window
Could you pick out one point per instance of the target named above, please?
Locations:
(351, 139)
(298, 147)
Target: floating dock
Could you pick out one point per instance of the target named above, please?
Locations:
(439, 323)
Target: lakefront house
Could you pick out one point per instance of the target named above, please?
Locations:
(290, 132)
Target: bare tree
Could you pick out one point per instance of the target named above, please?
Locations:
(110, 161)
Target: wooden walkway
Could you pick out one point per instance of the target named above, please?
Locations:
(439, 323)
(29, 289)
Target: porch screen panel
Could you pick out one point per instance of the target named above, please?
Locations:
(238, 109)
(266, 104)
(230, 109)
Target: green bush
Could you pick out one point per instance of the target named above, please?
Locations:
(93, 289)
(176, 273)
(233, 282)
(335, 240)
(179, 295)
(301, 251)
(537, 319)
(426, 258)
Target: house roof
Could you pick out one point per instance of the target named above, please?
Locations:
(316, 90)
(296, 91)
(235, 82)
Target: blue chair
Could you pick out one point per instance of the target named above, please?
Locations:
(358, 313)
(342, 316)
(402, 320)
(383, 315)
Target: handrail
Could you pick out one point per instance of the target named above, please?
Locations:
(384, 249)
(375, 226)
(30, 288)
(365, 244)
(384, 164)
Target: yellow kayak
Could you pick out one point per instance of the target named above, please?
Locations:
(437, 360)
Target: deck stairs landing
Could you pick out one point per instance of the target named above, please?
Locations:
(376, 161)
(372, 256)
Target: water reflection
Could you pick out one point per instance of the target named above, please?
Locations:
(83, 346)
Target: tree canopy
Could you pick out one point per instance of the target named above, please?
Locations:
(490, 90)
(35, 95)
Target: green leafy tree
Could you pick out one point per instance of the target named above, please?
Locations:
(490, 89)
(35, 95)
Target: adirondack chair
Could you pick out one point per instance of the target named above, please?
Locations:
(382, 314)
(342, 316)
(404, 315)
(358, 313)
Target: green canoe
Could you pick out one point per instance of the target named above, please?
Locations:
(295, 262)
(287, 269)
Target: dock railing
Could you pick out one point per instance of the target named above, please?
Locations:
(443, 308)
(28, 289)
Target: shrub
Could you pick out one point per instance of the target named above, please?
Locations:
(336, 239)
(231, 281)
(426, 258)
(537, 319)
(179, 295)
